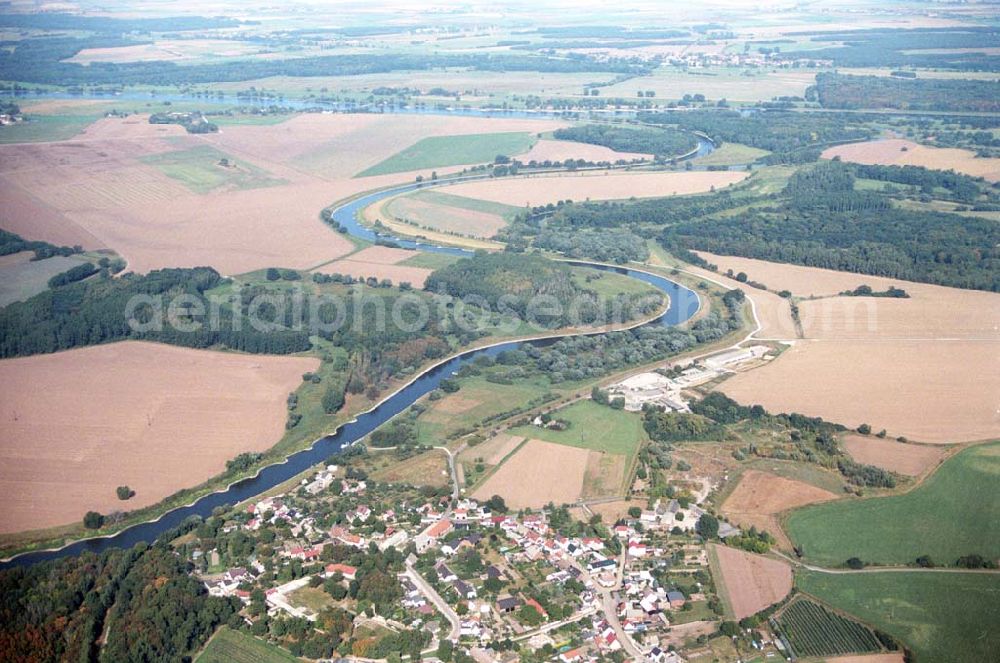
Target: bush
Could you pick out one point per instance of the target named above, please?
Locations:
(93, 520)
(124, 492)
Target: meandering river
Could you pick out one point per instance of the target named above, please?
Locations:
(683, 303)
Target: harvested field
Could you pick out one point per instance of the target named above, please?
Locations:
(493, 450)
(889, 657)
(154, 417)
(774, 312)
(544, 189)
(380, 262)
(444, 151)
(96, 191)
(930, 312)
(560, 150)
(929, 391)
(604, 476)
(899, 152)
(342, 145)
(167, 49)
(752, 582)
(445, 218)
(427, 469)
(539, 473)
(760, 496)
(909, 459)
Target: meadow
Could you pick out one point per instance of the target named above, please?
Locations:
(203, 169)
(953, 513)
(443, 151)
(592, 426)
(939, 616)
(229, 646)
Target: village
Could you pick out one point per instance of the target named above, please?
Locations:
(469, 580)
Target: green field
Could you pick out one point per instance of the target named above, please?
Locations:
(476, 401)
(592, 426)
(812, 630)
(940, 616)
(953, 513)
(730, 154)
(441, 151)
(228, 646)
(200, 170)
(40, 128)
(608, 284)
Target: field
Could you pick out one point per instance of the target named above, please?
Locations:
(167, 49)
(929, 391)
(450, 214)
(381, 262)
(427, 469)
(494, 450)
(544, 189)
(539, 473)
(952, 513)
(749, 582)
(759, 497)
(477, 401)
(812, 630)
(154, 417)
(593, 426)
(730, 154)
(228, 646)
(560, 150)
(719, 83)
(21, 278)
(442, 151)
(898, 152)
(909, 459)
(96, 191)
(201, 169)
(940, 616)
(429, 260)
(948, 334)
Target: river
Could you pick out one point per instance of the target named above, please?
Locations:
(683, 303)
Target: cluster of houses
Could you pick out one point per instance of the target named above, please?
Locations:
(641, 605)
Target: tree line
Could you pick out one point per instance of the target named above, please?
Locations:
(821, 221)
(849, 92)
(662, 142)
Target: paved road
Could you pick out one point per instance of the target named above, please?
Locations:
(439, 603)
(609, 606)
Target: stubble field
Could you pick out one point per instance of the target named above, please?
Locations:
(95, 190)
(539, 473)
(759, 497)
(899, 152)
(938, 349)
(909, 459)
(751, 582)
(157, 418)
(603, 185)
